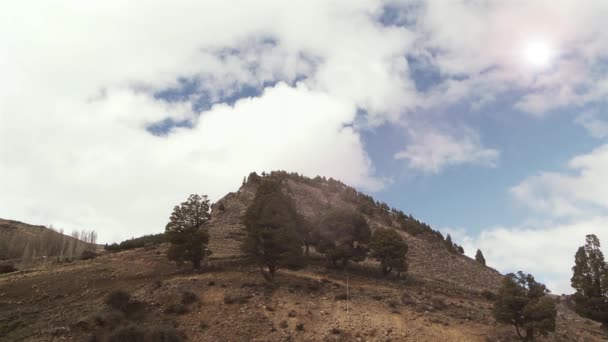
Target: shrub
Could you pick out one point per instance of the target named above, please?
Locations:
(236, 298)
(132, 333)
(7, 268)
(88, 255)
(489, 295)
(177, 309)
(118, 300)
(188, 297)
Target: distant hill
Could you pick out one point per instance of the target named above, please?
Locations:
(23, 242)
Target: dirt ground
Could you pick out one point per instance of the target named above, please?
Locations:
(232, 302)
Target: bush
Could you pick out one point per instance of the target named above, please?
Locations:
(236, 298)
(88, 255)
(7, 268)
(177, 309)
(188, 297)
(118, 300)
(489, 295)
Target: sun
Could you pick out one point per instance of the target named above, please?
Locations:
(538, 53)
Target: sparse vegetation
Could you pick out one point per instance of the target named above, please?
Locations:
(139, 242)
(523, 303)
(186, 233)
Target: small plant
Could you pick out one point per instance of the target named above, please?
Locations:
(118, 300)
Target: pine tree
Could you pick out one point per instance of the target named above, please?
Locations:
(590, 280)
(448, 240)
(186, 232)
(342, 236)
(522, 302)
(389, 248)
(270, 221)
(480, 258)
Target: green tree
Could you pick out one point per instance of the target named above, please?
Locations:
(590, 280)
(304, 229)
(271, 221)
(342, 236)
(389, 248)
(522, 302)
(186, 232)
(480, 258)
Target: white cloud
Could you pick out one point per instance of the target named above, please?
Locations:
(480, 48)
(545, 250)
(598, 128)
(432, 151)
(569, 194)
(102, 170)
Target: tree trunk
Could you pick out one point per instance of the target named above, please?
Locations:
(196, 264)
(306, 250)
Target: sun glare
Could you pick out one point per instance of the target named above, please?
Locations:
(538, 53)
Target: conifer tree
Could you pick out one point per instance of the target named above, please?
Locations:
(590, 280)
(271, 221)
(522, 302)
(389, 248)
(343, 235)
(480, 258)
(186, 232)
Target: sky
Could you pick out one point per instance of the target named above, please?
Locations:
(484, 118)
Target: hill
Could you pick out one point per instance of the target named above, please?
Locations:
(21, 242)
(445, 297)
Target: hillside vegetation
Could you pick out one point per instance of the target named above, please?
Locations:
(138, 294)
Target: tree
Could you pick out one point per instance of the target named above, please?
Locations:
(270, 221)
(522, 302)
(304, 229)
(459, 249)
(448, 240)
(389, 248)
(479, 257)
(342, 236)
(590, 280)
(186, 232)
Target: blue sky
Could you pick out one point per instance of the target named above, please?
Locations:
(485, 119)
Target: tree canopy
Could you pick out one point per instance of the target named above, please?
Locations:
(342, 236)
(185, 230)
(389, 248)
(522, 302)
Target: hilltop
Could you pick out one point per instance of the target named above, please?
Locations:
(446, 296)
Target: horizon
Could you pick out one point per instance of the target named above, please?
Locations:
(485, 120)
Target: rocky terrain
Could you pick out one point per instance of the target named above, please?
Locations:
(446, 296)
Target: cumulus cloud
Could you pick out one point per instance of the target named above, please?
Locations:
(431, 151)
(81, 82)
(574, 193)
(545, 250)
